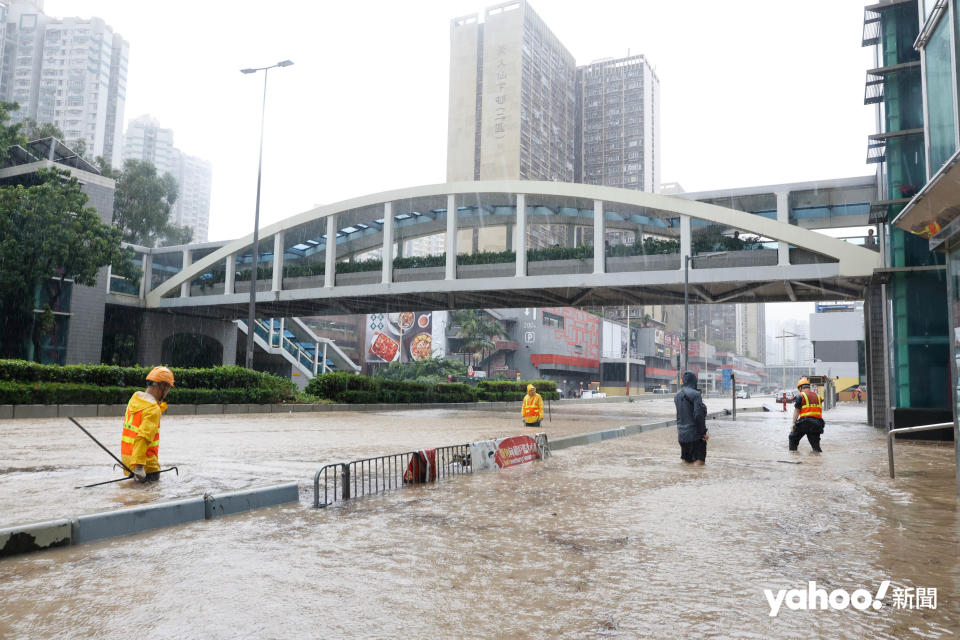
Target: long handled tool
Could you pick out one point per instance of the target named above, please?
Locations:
(97, 484)
(109, 453)
(119, 461)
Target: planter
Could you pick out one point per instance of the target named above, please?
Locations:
(755, 258)
(303, 282)
(244, 287)
(210, 290)
(498, 270)
(419, 274)
(553, 267)
(654, 262)
(358, 278)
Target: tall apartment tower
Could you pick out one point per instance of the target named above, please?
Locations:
(22, 56)
(520, 108)
(619, 124)
(751, 331)
(192, 208)
(147, 141)
(513, 106)
(70, 72)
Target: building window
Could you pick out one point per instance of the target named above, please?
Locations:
(552, 320)
(940, 97)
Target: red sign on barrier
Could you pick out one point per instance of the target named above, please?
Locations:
(516, 450)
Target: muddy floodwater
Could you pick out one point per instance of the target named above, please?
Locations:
(613, 540)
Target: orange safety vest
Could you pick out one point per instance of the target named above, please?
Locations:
(811, 406)
(131, 430)
(531, 409)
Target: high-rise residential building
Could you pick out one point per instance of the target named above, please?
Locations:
(619, 124)
(521, 109)
(192, 209)
(513, 107)
(751, 329)
(22, 56)
(70, 72)
(147, 141)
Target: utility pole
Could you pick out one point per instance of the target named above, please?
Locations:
(785, 335)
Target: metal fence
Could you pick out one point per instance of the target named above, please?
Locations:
(370, 476)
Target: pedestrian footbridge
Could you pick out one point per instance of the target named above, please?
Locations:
(502, 244)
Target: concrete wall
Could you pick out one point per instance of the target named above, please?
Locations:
(838, 326)
(158, 326)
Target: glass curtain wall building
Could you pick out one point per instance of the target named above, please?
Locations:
(928, 227)
(917, 359)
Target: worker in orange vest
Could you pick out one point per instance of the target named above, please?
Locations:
(140, 442)
(532, 407)
(807, 417)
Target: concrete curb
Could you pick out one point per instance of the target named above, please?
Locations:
(622, 432)
(238, 501)
(35, 537)
(110, 524)
(128, 521)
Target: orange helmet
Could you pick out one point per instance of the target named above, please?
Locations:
(802, 382)
(161, 374)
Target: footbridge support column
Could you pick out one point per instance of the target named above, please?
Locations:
(783, 215)
(450, 243)
(599, 239)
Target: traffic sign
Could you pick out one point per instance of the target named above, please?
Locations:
(727, 376)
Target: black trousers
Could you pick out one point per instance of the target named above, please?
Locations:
(810, 428)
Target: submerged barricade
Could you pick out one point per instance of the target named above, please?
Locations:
(343, 481)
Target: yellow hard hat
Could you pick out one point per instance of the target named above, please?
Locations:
(161, 374)
(530, 387)
(801, 382)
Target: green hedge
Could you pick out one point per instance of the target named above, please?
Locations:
(105, 384)
(348, 388)
(511, 390)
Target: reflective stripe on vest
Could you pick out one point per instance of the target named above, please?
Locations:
(811, 405)
(131, 430)
(530, 409)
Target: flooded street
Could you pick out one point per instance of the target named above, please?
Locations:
(618, 539)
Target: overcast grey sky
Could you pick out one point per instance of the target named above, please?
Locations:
(753, 91)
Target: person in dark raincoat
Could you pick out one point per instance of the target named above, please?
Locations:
(691, 421)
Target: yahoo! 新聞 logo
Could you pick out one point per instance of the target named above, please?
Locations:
(814, 597)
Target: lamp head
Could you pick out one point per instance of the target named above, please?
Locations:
(248, 70)
(285, 63)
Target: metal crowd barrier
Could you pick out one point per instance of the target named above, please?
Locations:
(370, 476)
(892, 432)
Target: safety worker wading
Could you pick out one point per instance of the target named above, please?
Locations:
(140, 443)
(807, 417)
(532, 407)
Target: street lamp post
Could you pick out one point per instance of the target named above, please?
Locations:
(252, 315)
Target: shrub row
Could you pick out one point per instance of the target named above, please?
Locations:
(70, 393)
(349, 388)
(69, 384)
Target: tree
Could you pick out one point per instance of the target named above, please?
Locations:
(430, 371)
(48, 234)
(33, 130)
(9, 133)
(142, 203)
(478, 331)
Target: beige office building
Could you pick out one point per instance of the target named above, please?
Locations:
(513, 98)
